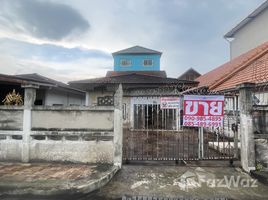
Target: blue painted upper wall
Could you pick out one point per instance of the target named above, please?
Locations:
(137, 59)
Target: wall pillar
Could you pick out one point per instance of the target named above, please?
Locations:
(29, 98)
(118, 127)
(246, 124)
(87, 99)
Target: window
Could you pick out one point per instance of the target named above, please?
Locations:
(38, 102)
(147, 62)
(125, 63)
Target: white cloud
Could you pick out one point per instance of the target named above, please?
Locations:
(188, 32)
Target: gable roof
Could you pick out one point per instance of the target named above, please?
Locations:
(42, 79)
(191, 70)
(247, 20)
(12, 79)
(137, 50)
(243, 68)
(133, 80)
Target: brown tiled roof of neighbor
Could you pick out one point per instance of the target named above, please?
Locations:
(248, 67)
(151, 73)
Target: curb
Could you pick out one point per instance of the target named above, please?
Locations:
(73, 189)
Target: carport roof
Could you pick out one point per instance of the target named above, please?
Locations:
(35, 79)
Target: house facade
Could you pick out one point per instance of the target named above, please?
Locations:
(250, 32)
(137, 58)
(138, 70)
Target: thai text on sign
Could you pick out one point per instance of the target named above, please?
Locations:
(169, 103)
(203, 111)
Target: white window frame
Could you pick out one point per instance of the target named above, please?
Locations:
(145, 65)
(128, 61)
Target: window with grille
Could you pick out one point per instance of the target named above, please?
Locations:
(125, 63)
(147, 62)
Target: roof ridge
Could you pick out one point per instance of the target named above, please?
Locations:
(133, 50)
(259, 53)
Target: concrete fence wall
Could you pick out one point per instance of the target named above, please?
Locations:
(11, 118)
(79, 119)
(64, 134)
(59, 134)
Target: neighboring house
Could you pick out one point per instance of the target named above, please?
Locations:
(49, 92)
(250, 67)
(190, 75)
(250, 32)
(138, 70)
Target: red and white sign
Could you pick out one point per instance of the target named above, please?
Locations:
(169, 103)
(203, 111)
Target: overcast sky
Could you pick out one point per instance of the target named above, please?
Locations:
(73, 39)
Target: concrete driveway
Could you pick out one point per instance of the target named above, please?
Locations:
(182, 182)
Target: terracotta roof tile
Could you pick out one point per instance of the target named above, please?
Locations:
(248, 67)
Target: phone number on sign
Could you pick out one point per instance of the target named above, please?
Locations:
(204, 119)
(203, 124)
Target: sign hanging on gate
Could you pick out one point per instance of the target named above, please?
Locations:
(203, 111)
(169, 103)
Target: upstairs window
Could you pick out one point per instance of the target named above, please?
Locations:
(147, 62)
(125, 63)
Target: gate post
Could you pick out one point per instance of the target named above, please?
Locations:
(118, 126)
(246, 123)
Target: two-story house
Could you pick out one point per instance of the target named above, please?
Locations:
(138, 70)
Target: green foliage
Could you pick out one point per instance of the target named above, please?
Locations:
(259, 166)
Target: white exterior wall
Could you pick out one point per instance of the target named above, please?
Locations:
(250, 36)
(92, 97)
(64, 98)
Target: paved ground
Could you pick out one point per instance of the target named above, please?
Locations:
(167, 181)
(41, 178)
(182, 182)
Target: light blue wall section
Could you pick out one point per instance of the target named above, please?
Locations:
(137, 62)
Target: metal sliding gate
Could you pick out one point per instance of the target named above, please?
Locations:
(157, 134)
